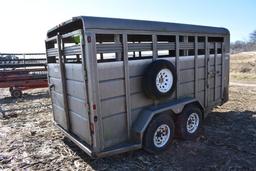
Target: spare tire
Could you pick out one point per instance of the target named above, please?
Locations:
(159, 79)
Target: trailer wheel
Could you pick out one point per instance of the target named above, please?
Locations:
(159, 134)
(10, 89)
(159, 79)
(188, 123)
(16, 93)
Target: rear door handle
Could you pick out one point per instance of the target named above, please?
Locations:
(51, 86)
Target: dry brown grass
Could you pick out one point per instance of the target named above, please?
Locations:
(243, 66)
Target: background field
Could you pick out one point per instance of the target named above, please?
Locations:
(28, 138)
(243, 67)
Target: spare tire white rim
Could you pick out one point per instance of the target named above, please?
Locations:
(164, 80)
(161, 135)
(193, 123)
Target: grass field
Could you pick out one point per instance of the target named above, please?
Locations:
(243, 67)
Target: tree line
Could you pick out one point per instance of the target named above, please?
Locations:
(243, 46)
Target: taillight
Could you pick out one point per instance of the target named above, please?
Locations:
(94, 106)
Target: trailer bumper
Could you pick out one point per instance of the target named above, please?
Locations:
(81, 145)
(117, 149)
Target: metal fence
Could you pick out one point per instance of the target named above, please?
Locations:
(16, 60)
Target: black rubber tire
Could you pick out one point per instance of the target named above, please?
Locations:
(181, 123)
(149, 80)
(10, 89)
(148, 142)
(16, 93)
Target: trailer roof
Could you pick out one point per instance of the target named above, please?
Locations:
(140, 25)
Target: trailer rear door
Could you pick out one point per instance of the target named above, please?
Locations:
(214, 73)
(68, 83)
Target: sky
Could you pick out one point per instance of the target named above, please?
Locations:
(24, 23)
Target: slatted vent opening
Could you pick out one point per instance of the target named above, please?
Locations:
(109, 46)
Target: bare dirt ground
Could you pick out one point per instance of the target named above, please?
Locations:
(29, 140)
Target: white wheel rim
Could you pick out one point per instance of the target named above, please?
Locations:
(161, 135)
(164, 80)
(192, 122)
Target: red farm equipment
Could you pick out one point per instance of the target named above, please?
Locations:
(20, 72)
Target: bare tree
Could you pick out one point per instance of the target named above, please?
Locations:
(242, 46)
(253, 37)
(238, 46)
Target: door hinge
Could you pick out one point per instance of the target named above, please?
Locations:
(95, 118)
(85, 74)
(82, 40)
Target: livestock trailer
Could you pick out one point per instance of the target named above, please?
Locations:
(134, 84)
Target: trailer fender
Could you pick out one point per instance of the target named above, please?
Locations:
(144, 118)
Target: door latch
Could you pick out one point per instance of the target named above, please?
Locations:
(51, 86)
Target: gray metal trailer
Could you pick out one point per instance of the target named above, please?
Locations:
(134, 84)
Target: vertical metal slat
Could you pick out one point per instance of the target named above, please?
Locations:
(206, 84)
(96, 98)
(63, 81)
(127, 84)
(101, 54)
(222, 68)
(186, 43)
(93, 87)
(63, 54)
(177, 65)
(215, 71)
(196, 67)
(117, 41)
(154, 48)
(85, 74)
